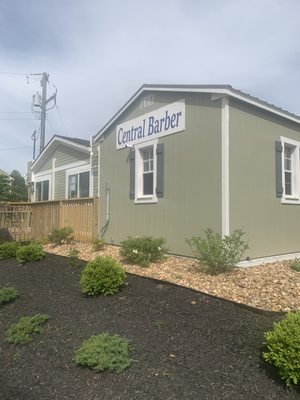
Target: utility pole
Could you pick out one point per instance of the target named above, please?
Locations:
(41, 102)
(44, 82)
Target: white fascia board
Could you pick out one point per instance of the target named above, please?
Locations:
(213, 90)
(225, 167)
(53, 142)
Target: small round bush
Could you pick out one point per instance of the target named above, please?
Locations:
(283, 348)
(31, 252)
(61, 236)
(8, 294)
(295, 265)
(103, 275)
(104, 352)
(143, 250)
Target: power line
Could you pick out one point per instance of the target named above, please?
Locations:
(59, 113)
(15, 112)
(17, 119)
(13, 73)
(16, 148)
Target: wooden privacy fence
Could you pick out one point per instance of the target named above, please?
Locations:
(27, 221)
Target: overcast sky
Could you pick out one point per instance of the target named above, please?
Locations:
(99, 52)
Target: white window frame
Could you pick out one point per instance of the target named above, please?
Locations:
(41, 177)
(77, 171)
(294, 197)
(139, 169)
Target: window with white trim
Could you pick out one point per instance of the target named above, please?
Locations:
(145, 173)
(291, 170)
(79, 185)
(42, 190)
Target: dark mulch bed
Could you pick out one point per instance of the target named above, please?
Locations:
(187, 345)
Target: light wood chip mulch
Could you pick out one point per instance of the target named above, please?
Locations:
(273, 287)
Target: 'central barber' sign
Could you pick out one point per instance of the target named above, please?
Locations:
(161, 122)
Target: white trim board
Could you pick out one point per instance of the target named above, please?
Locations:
(225, 166)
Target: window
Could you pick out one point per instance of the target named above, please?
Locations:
(146, 172)
(42, 191)
(79, 185)
(290, 170)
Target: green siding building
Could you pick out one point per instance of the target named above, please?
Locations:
(62, 170)
(178, 159)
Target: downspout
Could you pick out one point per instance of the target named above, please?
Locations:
(105, 225)
(107, 196)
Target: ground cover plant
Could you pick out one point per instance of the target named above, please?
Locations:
(187, 345)
(104, 352)
(20, 332)
(7, 295)
(32, 252)
(283, 348)
(143, 250)
(8, 250)
(218, 254)
(103, 275)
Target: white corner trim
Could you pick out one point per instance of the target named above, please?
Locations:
(53, 179)
(225, 166)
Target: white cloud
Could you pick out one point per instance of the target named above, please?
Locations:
(98, 53)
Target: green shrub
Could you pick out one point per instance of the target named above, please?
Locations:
(8, 294)
(98, 245)
(73, 257)
(103, 275)
(283, 348)
(8, 250)
(31, 252)
(295, 265)
(61, 236)
(20, 332)
(104, 352)
(143, 250)
(218, 254)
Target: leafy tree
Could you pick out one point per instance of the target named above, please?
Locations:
(19, 190)
(5, 188)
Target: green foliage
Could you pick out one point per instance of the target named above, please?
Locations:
(19, 190)
(295, 265)
(20, 332)
(8, 294)
(8, 250)
(61, 236)
(218, 254)
(73, 257)
(98, 245)
(143, 250)
(103, 275)
(283, 348)
(104, 352)
(31, 252)
(5, 188)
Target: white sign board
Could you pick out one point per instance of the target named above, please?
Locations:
(158, 123)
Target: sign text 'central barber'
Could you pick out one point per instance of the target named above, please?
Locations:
(161, 122)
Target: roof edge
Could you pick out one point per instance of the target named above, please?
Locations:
(214, 88)
(65, 140)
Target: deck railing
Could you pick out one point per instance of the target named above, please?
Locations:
(26, 221)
